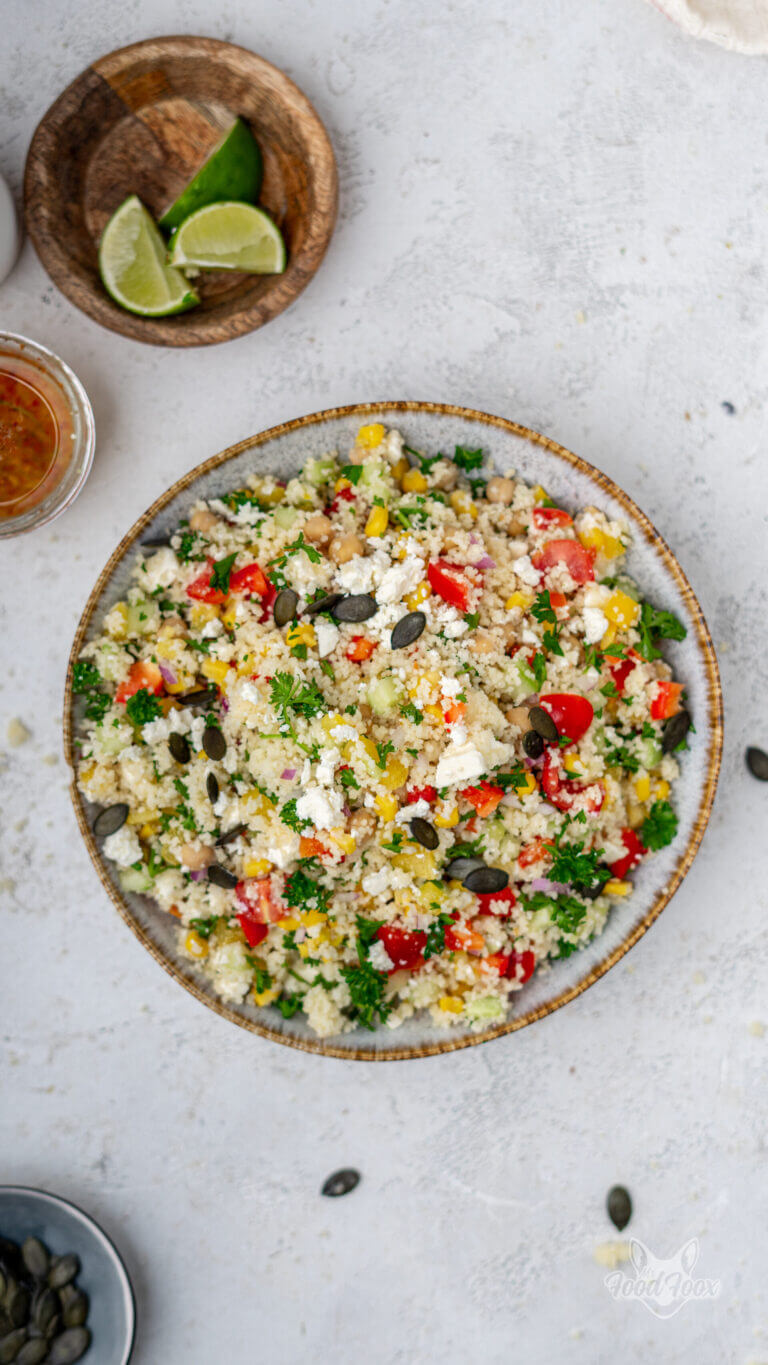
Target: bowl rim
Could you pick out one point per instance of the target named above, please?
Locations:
(195, 329)
(704, 640)
(108, 1247)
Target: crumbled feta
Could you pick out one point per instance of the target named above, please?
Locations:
(284, 849)
(154, 730)
(450, 687)
(248, 514)
(326, 768)
(379, 957)
(323, 809)
(416, 810)
(374, 883)
(595, 624)
(341, 732)
(356, 575)
(212, 629)
(400, 579)
(458, 763)
(160, 569)
(327, 637)
(524, 570)
(123, 847)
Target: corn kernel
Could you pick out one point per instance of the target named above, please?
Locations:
(414, 482)
(660, 790)
(342, 840)
(571, 763)
(201, 613)
(518, 599)
(394, 774)
(419, 595)
(446, 816)
(643, 787)
(462, 503)
(265, 997)
(195, 945)
(452, 1004)
(616, 888)
(371, 435)
(387, 807)
(215, 669)
(621, 609)
(400, 468)
(593, 538)
(378, 520)
(116, 622)
(256, 867)
(300, 633)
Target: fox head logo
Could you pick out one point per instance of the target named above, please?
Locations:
(663, 1285)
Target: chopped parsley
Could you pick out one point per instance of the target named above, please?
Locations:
(436, 936)
(289, 1005)
(347, 778)
(425, 461)
(412, 712)
(293, 694)
(296, 547)
(657, 625)
(191, 547)
(543, 611)
(395, 844)
(660, 826)
(383, 747)
(204, 927)
(352, 472)
(289, 817)
(539, 670)
(467, 459)
(366, 984)
(86, 681)
(142, 707)
(405, 516)
(571, 865)
(472, 619)
(304, 893)
(219, 579)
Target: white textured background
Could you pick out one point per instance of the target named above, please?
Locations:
(558, 212)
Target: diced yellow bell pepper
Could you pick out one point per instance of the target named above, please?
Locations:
(255, 804)
(265, 997)
(452, 1004)
(419, 862)
(195, 945)
(229, 616)
(371, 436)
(621, 609)
(378, 520)
(215, 669)
(518, 599)
(341, 484)
(616, 888)
(446, 815)
(256, 867)
(435, 712)
(414, 482)
(86, 772)
(572, 763)
(528, 788)
(116, 622)
(430, 893)
(660, 790)
(608, 638)
(594, 538)
(342, 840)
(540, 494)
(301, 633)
(400, 468)
(419, 595)
(635, 815)
(386, 806)
(149, 830)
(140, 816)
(290, 922)
(643, 787)
(200, 613)
(184, 681)
(462, 503)
(309, 918)
(394, 774)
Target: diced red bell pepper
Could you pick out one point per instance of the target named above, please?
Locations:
(564, 794)
(545, 517)
(343, 495)
(666, 700)
(620, 669)
(250, 579)
(485, 797)
(141, 674)
(421, 794)
(575, 557)
(521, 966)
(267, 602)
(454, 712)
(255, 932)
(404, 946)
(449, 582)
(571, 713)
(558, 600)
(489, 902)
(535, 852)
(460, 938)
(360, 649)
(201, 591)
(495, 962)
(257, 898)
(635, 851)
(312, 848)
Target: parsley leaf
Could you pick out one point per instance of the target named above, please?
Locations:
(220, 572)
(435, 943)
(472, 619)
(657, 625)
(570, 864)
(412, 712)
(204, 927)
(347, 778)
(660, 826)
(86, 680)
(303, 893)
(539, 670)
(366, 984)
(467, 459)
(191, 547)
(142, 707)
(287, 693)
(353, 472)
(288, 1005)
(383, 747)
(289, 817)
(425, 461)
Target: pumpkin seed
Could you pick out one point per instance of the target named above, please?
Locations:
(12, 1344)
(202, 696)
(156, 544)
(424, 833)
(214, 742)
(63, 1270)
(359, 607)
(33, 1352)
(233, 833)
(212, 788)
(35, 1256)
(619, 1206)
(341, 1182)
(179, 747)
(326, 603)
(408, 629)
(220, 876)
(486, 879)
(533, 744)
(110, 820)
(543, 724)
(757, 762)
(284, 609)
(70, 1346)
(45, 1308)
(459, 868)
(74, 1306)
(675, 730)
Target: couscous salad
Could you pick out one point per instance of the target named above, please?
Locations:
(386, 738)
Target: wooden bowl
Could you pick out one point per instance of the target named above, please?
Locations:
(141, 121)
(573, 483)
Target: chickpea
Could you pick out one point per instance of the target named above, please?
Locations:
(196, 856)
(318, 529)
(344, 548)
(203, 520)
(518, 715)
(500, 490)
(482, 642)
(362, 823)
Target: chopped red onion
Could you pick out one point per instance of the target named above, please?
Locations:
(288, 773)
(224, 703)
(485, 563)
(168, 675)
(199, 874)
(550, 888)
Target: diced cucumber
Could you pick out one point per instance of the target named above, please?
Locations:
(143, 617)
(285, 517)
(135, 879)
(384, 694)
(650, 751)
(527, 678)
(488, 1007)
(320, 470)
(113, 740)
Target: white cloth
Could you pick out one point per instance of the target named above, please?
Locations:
(741, 25)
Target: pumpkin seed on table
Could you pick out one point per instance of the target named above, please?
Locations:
(221, 876)
(110, 820)
(63, 1270)
(675, 731)
(533, 744)
(179, 747)
(407, 630)
(484, 880)
(233, 833)
(322, 604)
(757, 762)
(543, 724)
(341, 1182)
(214, 742)
(285, 605)
(359, 607)
(70, 1346)
(424, 833)
(619, 1206)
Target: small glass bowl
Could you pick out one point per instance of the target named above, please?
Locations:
(83, 439)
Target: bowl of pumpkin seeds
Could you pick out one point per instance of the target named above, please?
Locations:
(65, 1295)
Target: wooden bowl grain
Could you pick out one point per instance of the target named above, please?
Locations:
(142, 120)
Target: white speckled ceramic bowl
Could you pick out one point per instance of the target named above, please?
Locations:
(573, 483)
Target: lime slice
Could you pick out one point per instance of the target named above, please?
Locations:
(132, 265)
(232, 171)
(229, 236)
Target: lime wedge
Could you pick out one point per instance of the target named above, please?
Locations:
(132, 265)
(229, 236)
(232, 171)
